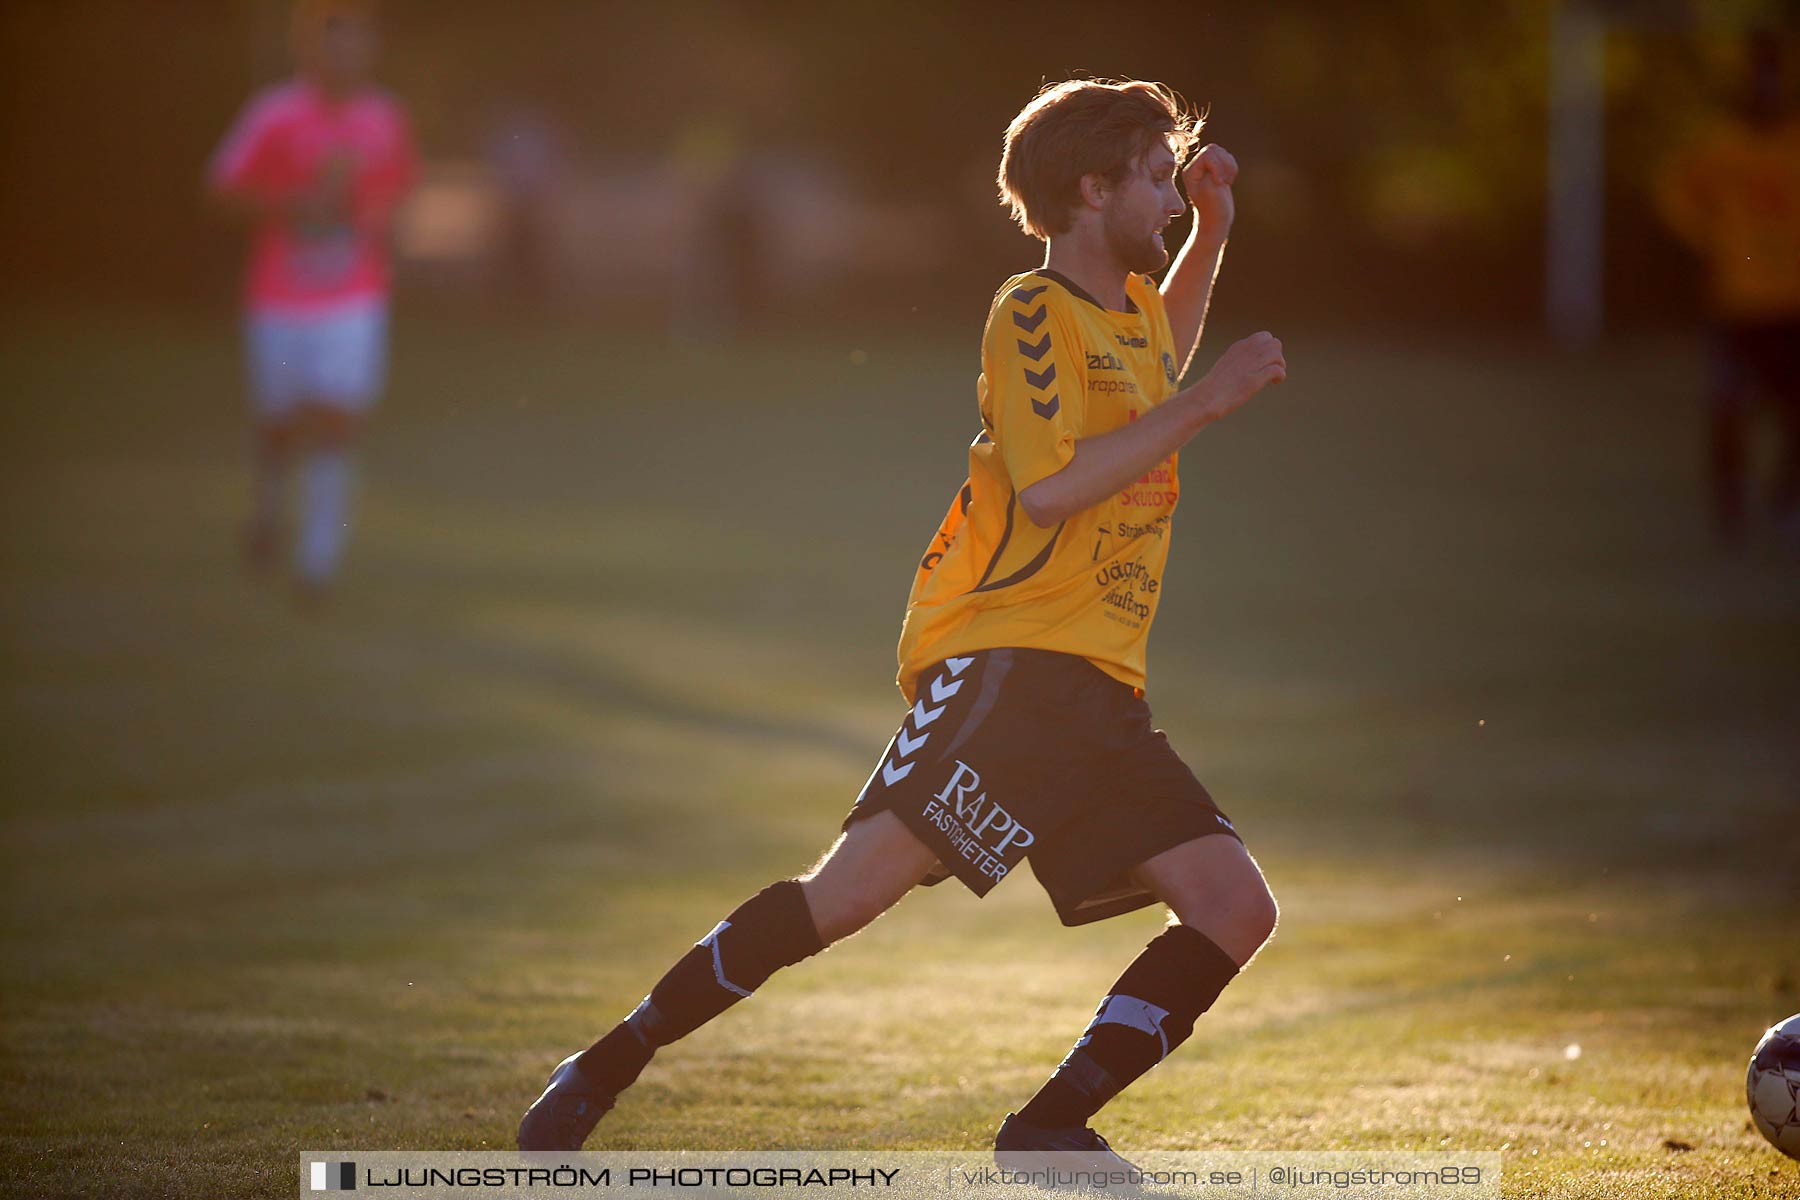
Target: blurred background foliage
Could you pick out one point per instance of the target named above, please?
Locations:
(1394, 153)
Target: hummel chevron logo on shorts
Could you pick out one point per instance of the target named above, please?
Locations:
(942, 688)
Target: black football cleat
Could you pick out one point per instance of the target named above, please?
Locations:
(1022, 1147)
(566, 1113)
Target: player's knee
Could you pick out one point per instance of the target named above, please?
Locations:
(1263, 914)
(839, 906)
(1249, 908)
(843, 899)
(1254, 913)
(864, 874)
(1236, 908)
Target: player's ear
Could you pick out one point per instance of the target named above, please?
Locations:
(1094, 190)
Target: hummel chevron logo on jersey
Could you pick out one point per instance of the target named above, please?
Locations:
(941, 691)
(1040, 379)
(1037, 351)
(893, 773)
(923, 716)
(1030, 323)
(1047, 409)
(908, 745)
(958, 665)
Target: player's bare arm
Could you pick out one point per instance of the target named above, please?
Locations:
(1187, 289)
(1108, 462)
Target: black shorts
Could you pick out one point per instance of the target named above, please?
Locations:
(1012, 754)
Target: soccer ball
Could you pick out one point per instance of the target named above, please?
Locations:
(1773, 1086)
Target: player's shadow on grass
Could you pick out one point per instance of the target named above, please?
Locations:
(586, 682)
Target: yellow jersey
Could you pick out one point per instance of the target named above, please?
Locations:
(1734, 196)
(1055, 367)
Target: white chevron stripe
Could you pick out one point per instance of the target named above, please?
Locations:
(894, 773)
(941, 691)
(908, 745)
(923, 716)
(711, 941)
(958, 665)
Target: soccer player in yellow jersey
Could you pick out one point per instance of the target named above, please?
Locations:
(1022, 654)
(1734, 197)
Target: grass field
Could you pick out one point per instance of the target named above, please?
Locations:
(1441, 632)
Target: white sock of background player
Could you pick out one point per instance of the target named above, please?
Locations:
(326, 479)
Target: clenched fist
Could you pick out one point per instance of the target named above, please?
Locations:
(1246, 368)
(1208, 178)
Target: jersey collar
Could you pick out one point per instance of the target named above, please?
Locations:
(1080, 293)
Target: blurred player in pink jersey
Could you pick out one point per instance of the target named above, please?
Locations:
(317, 165)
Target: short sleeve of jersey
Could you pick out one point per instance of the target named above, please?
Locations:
(247, 160)
(1034, 389)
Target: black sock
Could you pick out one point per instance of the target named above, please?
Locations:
(771, 930)
(1150, 1011)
